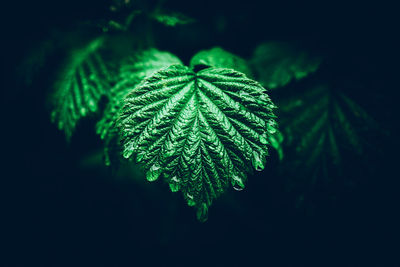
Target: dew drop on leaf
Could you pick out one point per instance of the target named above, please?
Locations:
(127, 153)
(194, 111)
(237, 182)
(238, 187)
(174, 184)
(153, 173)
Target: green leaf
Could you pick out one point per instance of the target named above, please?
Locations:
(277, 63)
(202, 131)
(322, 127)
(80, 85)
(132, 72)
(220, 58)
(170, 19)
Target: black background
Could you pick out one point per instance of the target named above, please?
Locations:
(56, 213)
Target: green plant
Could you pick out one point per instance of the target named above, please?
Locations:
(204, 126)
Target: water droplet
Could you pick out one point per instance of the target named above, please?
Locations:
(237, 187)
(258, 161)
(202, 213)
(153, 173)
(174, 184)
(127, 153)
(237, 182)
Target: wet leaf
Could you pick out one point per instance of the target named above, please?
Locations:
(197, 131)
(131, 73)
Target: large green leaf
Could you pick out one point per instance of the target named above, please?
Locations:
(220, 58)
(202, 131)
(277, 63)
(132, 72)
(80, 85)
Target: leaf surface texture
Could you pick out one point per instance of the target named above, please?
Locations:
(131, 73)
(200, 131)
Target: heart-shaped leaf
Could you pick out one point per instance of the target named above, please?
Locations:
(202, 131)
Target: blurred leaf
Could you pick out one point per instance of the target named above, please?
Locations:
(200, 130)
(322, 127)
(220, 58)
(276, 64)
(80, 85)
(169, 18)
(124, 24)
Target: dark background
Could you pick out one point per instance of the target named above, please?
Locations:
(57, 211)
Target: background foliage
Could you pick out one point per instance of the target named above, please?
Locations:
(64, 209)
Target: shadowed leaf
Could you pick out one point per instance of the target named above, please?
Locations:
(321, 127)
(219, 58)
(277, 63)
(80, 85)
(171, 19)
